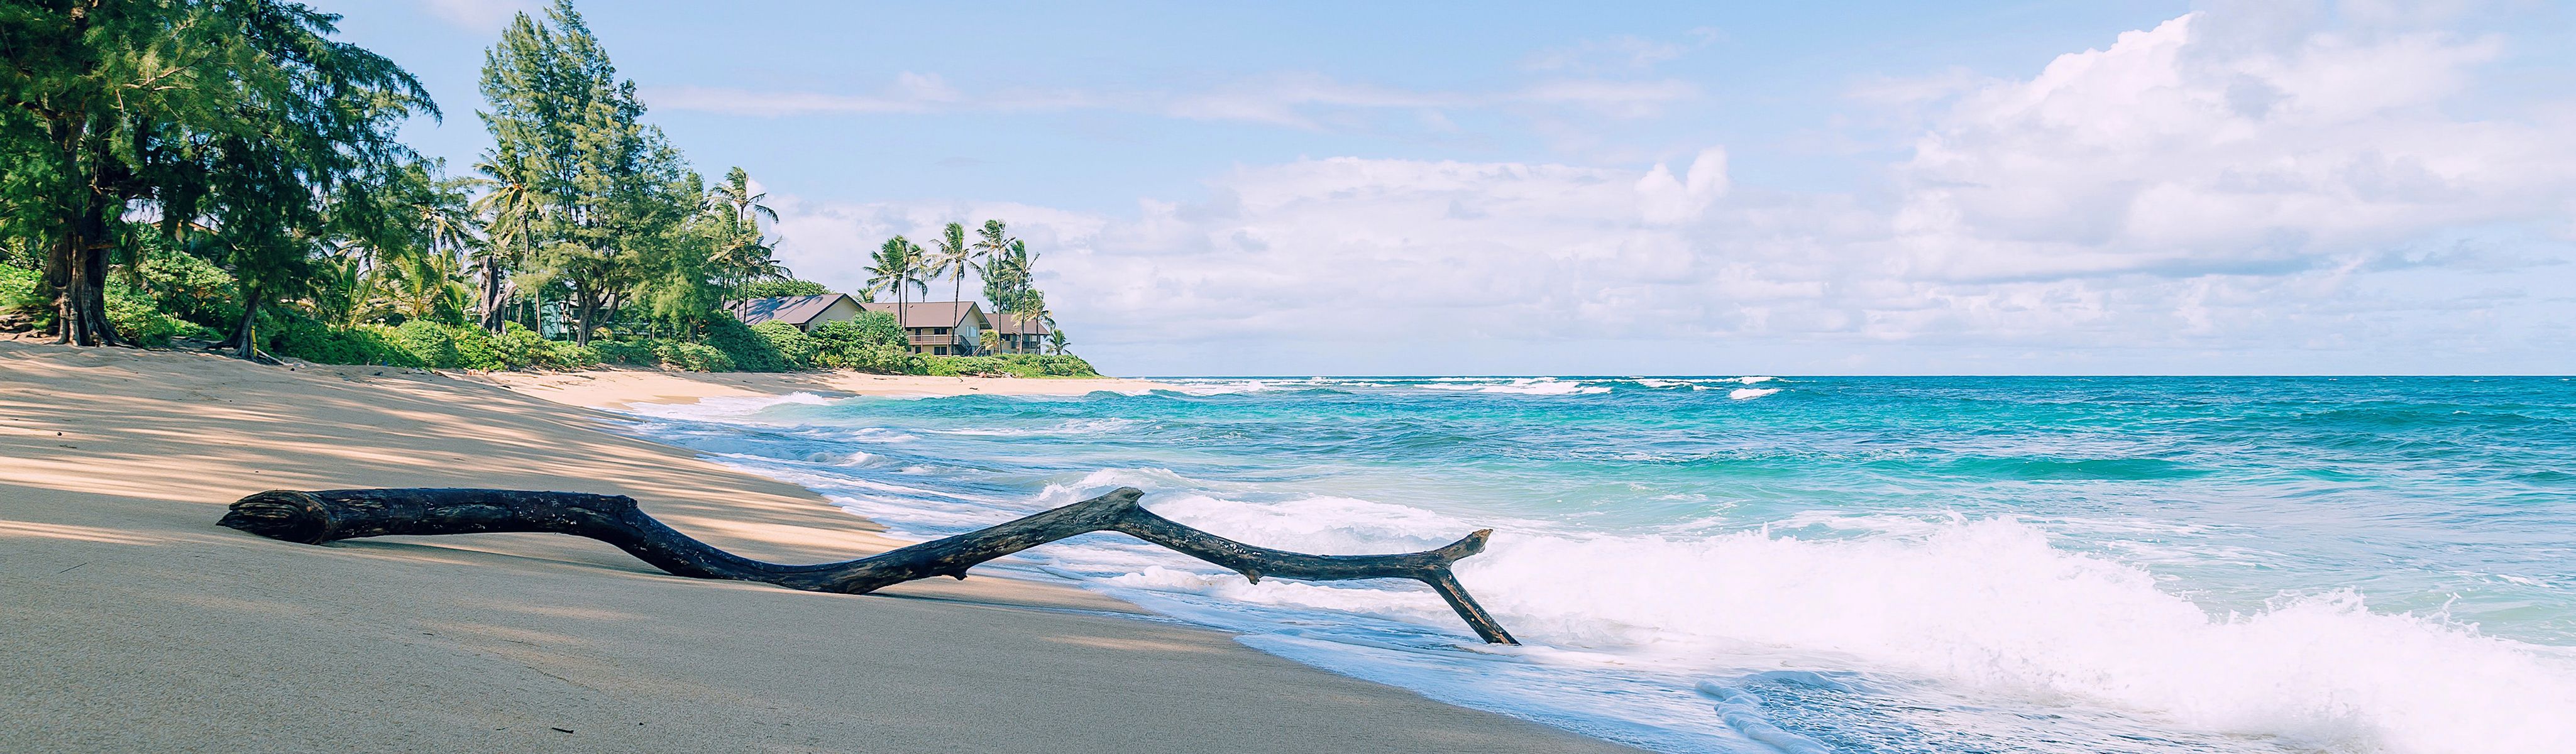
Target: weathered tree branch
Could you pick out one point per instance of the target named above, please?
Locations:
(329, 515)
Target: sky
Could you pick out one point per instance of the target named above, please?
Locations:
(2113, 187)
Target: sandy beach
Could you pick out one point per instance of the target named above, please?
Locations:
(129, 621)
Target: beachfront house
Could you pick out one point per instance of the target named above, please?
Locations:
(1021, 337)
(940, 328)
(805, 312)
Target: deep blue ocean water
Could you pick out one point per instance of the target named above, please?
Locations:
(2135, 564)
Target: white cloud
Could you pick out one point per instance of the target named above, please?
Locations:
(2175, 150)
(2195, 187)
(1666, 199)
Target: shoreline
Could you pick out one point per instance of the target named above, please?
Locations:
(137, 624)
(615, 388)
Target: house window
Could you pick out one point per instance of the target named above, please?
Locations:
(940, 350)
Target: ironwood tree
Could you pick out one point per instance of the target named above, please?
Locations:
(609, 187)
(223, 116)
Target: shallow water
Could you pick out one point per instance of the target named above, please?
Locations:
(1819, 564)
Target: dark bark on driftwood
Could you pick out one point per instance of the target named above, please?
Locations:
(328, 515)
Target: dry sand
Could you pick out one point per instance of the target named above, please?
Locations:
(129, 621)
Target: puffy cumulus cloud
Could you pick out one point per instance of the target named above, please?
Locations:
(2219, 190)
(1669, 199)
(2220, 142)
(1332, 246)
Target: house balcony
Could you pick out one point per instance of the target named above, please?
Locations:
(951, 340)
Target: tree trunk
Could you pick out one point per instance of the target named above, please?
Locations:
(493, 300)
(76, 270)
(329, 515)
(246, 337)
(585, 305)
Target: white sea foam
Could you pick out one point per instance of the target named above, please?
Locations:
(1208, 387)
(1066, 427)
(1984, 604)
(1520, 386)
(1750, 393)
(733, 408)
(1755, 380)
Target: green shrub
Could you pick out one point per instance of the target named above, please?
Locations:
(961, 366)
(872, 342)
(769, 288)
(748, 350)
(639, 353)
(521, 348)
(795, 350)
(192, 289)
(477, 349)
(140, 319)
(1012, 364)
(881, 360)
(322, 344)
(430, 343)
(18, 289)
(693, 357)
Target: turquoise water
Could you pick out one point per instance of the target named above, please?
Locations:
(1819, 564)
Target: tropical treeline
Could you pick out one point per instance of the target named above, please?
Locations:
(226, 171)
(902, 268)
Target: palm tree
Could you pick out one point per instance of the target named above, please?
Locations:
(992, 241)
(954, 260)
(1028, 307)
(514, 207)
(991, 341)
(745, 254)
(733, 195)
(898, 270)
(447, 222)
(1056, 338)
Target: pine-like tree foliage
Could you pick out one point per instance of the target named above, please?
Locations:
(238, 118)
(613, 192)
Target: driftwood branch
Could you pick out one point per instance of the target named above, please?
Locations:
(329, 515)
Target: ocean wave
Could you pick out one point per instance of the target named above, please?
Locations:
(1750, 393)
(1990, 604)
(1066, 427)
(1902, 625)
(1984, 604)
(1518, 386)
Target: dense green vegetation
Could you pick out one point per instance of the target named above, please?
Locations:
(223, 172)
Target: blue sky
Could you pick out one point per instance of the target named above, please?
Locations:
(2111, 187)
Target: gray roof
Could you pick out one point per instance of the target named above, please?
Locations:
(933, 313)
(794, 310)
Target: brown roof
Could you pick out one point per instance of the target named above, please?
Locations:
(934, 313)
(794, 310)
(1010, 325)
